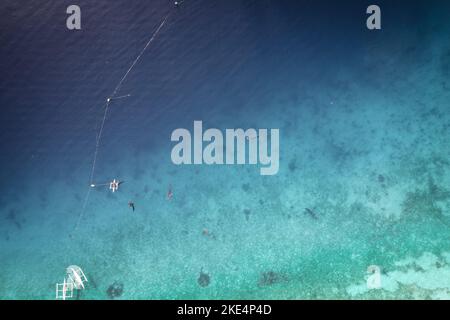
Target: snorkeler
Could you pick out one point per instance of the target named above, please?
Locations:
(169, 193)
(131, 205)
(311, 213)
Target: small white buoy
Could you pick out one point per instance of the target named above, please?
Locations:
(92, 185)
(108, 100)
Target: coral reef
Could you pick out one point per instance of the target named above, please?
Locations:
(269, 278)
(204, 279)
(115, 290)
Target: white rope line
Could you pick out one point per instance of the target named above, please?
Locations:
(121, 97)
(83, 209)
(139, 56)
(100, 133)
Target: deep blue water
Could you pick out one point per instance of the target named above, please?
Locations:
(211, 58)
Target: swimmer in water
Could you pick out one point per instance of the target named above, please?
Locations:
(311, 213)
(131, 205)
(169, 193)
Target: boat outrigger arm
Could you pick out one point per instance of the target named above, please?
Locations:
(113, 185)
